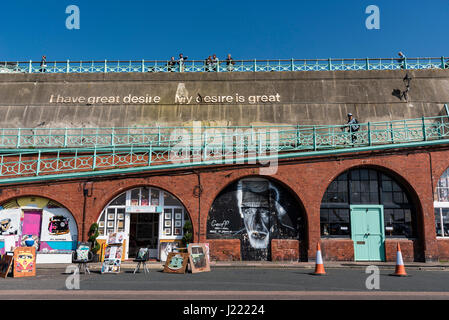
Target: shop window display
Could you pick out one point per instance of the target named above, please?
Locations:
(148, 215)
(370, 187)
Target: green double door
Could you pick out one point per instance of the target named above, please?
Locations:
(368, 233)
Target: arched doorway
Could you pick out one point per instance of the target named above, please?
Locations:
(149, 217)
(441, 206)
(367, 206)
(256, 211)
(51, 227)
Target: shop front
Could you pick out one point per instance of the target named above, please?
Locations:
(149, 217)
(41, 223)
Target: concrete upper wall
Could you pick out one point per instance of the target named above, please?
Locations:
(47, 100)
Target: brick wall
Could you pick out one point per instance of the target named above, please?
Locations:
(306, 178)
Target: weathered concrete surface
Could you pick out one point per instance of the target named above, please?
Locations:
(30, 100)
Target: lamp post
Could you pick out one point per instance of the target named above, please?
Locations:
(407, 80)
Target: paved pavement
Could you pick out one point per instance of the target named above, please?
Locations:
(262, 281)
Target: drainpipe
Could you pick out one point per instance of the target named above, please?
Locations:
(85, 195)
(197, 191)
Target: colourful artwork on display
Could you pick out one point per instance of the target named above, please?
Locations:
(5, 265)
(176, 262)
(166, 247)
(10, 221)
(24, 262)
(111, 266)
(198, 257)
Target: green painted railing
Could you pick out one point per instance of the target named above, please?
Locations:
(279, 65)
(325, 136)
(218, 145)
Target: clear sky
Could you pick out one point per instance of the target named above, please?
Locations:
(247, 29)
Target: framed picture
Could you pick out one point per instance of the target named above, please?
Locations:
(178, 224)
(110, 224)
(101, 224)
(5, 265)
(177, 231)
(167, 223)
(176, 262)
(120, 216)
(167, 231)
(111, 216)
(199, 258)
(178, 216)
(167, 215)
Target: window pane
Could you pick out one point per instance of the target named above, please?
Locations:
(445, 214)
(145, 197)
(135, 194)
(438, 222)
(154, 197)
(119, 201)
(169, 200)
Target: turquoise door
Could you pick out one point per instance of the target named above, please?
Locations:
(367, 231)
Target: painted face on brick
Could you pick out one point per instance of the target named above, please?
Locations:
(257, 221)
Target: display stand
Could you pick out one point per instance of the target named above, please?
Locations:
(113, 253)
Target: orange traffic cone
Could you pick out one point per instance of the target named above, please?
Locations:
(400, 269)
(319, 267)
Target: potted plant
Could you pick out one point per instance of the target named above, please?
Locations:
(188, 233)
(95, 246)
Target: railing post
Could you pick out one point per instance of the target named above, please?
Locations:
(424, 129)
(94, 160)
(293, 64)
(18, 138)
(443, 64)
(68, 67)
(150, 154)
(298, 137)
(391, 132)
(314, 138)
(405, 63)
(255, 65)
(367, 64)
(369, 133)
(105, 66)
(65, 138)
(38, 167)
(143, 65)
(30, 67)
(330, 64)
(112, 138)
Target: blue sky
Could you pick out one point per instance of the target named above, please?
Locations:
(247, 29)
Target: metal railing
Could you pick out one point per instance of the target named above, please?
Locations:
(218, 145)
(106, 66)
(325, 136)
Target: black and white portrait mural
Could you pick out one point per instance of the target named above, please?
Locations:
(255, 211)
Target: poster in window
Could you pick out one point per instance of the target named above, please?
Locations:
(120, 216)
(178, 224)
(168, 215)
(198, 257)
(101, 224)
(167, 231)
(167, 223)
(176, 262)
(178, 216)
(110, 224)
(111, 216)
(177, 231)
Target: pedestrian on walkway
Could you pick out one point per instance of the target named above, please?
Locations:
(352, 126)
(401, 59)
(43, 64)
(230, 63)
